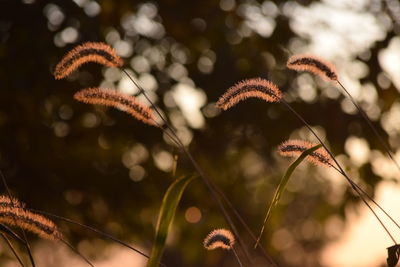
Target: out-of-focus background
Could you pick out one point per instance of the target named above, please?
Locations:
(100, 167)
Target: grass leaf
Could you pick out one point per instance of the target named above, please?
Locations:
(167, 212)
(282, 186)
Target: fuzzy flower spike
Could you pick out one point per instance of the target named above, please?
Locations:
(219, 238)
(100, 53)
(313, 64)
(257, 87)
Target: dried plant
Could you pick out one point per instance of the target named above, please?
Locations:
(130, 105)
(316, 65)
(8, 199)
(294, 148)
(360, 192)
(113, 98)
(326, 70)
(16, 215)
(258, 88)
(88, 52)
(250, 88)
(219, 238)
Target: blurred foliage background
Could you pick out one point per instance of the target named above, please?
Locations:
(100, 167)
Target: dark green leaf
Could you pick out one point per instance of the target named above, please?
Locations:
(282, 185)
(167, 212)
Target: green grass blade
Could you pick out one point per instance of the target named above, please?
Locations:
(282, 186)
(167, 212)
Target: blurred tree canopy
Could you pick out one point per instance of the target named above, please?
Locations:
(100, 167)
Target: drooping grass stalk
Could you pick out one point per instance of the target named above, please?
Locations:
(341, 171)
(263, 89)
(204, 177)
(130, 105)
(87, 52)
(29, 219)
(327, 71)
(105, 55)
(14, 213)
(113, 98)
(324, 159)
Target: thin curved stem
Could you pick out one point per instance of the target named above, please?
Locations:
(215, 191)
(9, 231)
(373, 201)
(218, 200)
(244, 224)
(237, 257)
(12, 249)
(76, 251)
(383, 143)
(93, 230)
(206, 180)
(352, 184)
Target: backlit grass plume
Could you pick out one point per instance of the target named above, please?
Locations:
(313, 64)
(257, 87)
(87, 52)
(294, 148)
(113, 98)
(12, 213)
(324, 158)
(324, 69)
(219, 238)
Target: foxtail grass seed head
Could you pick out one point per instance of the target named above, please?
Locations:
(17, 215)
(123, 102)
(257, 87)
(88, 52)
(313, 64)
(219, 238)
(294, 148)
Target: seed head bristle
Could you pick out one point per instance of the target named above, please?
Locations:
(257, 87)
(88, 52)
(5, 201)
(219, 238)
(123, 102)
(17, 215)
(294, 148)
(313, 64)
